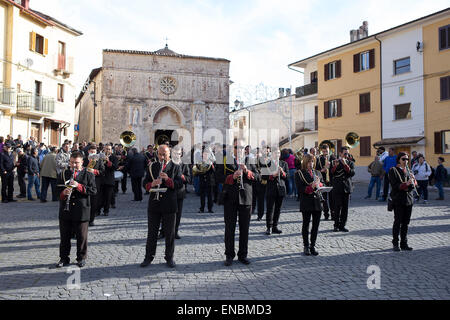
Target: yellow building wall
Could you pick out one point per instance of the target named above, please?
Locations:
(348, 88)
(436, 64)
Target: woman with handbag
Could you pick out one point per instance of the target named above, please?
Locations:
(403, 183)
(277, 176)
(308, 180)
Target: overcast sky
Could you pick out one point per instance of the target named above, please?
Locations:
(259, 37)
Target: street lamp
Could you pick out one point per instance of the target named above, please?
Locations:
(95, 104)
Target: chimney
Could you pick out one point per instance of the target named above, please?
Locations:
(26, 4)
(360, 33)
(280, 92)
(288, 92)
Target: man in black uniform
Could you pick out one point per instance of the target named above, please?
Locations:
(7, 171)
(136, 166)
(323, 164)
(262, 164)
(22, 170)
(74, 209)
(107, 182)
(276, 191)
(238, 202)
(206, 180)
(342, 171)
(96, 167)
(177, 154)
(162, 205)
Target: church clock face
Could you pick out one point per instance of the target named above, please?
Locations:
(168, 85)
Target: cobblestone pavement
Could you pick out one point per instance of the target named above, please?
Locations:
(29, 242)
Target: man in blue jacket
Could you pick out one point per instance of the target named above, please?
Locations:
(389, 162)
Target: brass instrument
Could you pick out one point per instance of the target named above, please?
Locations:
(68, 185)
(330, 145)
(411, 176)
(127, 139)
(201, 168)
(93, 158)
(352, 140)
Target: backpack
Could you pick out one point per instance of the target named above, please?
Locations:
(432, 175)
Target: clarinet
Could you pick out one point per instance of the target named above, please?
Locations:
(162, 166)
(67, 207)
(317, 192)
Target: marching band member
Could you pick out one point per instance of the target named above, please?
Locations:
(136, 165)
(262, 163)
(308, 180)
(276, 191)
(342, 172)
(206, 180)
(177, 154)
(402, 184)
(323, 163)
(108, 180)
(74, 208)
(238, 202)
(162, 205)
(96, 167)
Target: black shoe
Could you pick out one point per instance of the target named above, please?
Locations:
(405, 248)
(228, 261)
(326, 217)
(439, 199)
(366, 197)
(244, 260)
(113, 206)
(81, 263)
(62, 263)
(43, 201)
(4, 201)
(13, 200)
(276, 230)
(336, 229)
(268, 232)
(171, 263)
(177, 236)
(210, 211)
(259, 218)
(343, 229)
(21, 196)
(91, 224)
(201, 211)
(396, 248)
(313, 251)
(145, 263)
(306, 251)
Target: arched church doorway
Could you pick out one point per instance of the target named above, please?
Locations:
(162, 136)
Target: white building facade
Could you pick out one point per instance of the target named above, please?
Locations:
(37, 90)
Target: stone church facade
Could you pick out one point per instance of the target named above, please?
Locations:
(159, 96)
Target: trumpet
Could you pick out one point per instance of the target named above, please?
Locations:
(68, 185)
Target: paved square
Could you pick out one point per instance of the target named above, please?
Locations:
(29, 246)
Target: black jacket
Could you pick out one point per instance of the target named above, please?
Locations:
(100, 167)
(136, 165)
(186, 172)
(308, 201)
(22, 168)
(342, 179)
(401, 194)
(110, 167)
(207, 178)
(6, 162)
(33, 165)
(234, 194)
(262, 166)
(222, 171)
(168, 199)
(320, 164)
(80, 204)
(441, 173)
(272, 183)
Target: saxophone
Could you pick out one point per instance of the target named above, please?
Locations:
(93, 158)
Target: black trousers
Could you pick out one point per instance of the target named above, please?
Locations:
(123, 182)
(273, 211)
(423, 189)
(386, 186)
(136, 186)
(179, 212)
(340, 209)
(215, 192)
(261, 199)
(326, 204)
(314, 229)
(22, 185)
(232, 212)
(46, 181)
(66, 228)
(168, 222)
(254, 196)
(206, 191)
(8, 186)
(402, 216)
(105, 197)
(95, 207)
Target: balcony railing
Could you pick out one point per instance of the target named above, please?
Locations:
(7, 96)
(27, 102)
(308, 125)
(306, 90)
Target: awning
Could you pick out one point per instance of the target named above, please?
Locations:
(57, 121)
(398, 141)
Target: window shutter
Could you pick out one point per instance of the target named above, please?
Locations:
(368, 103)
(445, 84)
(338, 69)
(438, 142)
(442, 38)
(356, 62)
(45, 47)
(364, 150)
(372, 59)
(326, 109)
(33, 41)
(339, 108)
(339, 146)
(361, 104)
(316, 117)
(326, 72)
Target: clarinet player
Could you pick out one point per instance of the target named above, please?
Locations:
(402, 184)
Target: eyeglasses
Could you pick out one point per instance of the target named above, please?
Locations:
(404, 159)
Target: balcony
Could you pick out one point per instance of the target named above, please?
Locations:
(306, 90)
(305, 126)
(33, 105)
(63, 65)
(7, 99)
